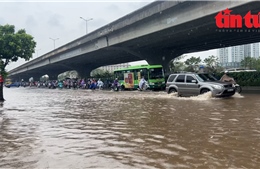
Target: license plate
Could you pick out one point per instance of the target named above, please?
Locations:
(230, 90)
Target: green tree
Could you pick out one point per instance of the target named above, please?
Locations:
(12, 47)
(97, 73)
(192, 63)
(257, 64)
(176, 64)
(247, 62)
(212, 64)
(211, 61)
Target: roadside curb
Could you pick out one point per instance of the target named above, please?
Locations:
(251, 88)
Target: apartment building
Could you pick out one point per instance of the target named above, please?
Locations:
(232, 56)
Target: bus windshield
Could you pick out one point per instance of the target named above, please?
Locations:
(156, 73)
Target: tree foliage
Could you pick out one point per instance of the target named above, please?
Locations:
(99, 73)
(212, 64)
(176, 64)
(250, 63)
(14, 45)
(96, 72)
(68, 74)
(192, 63)
(211, 61)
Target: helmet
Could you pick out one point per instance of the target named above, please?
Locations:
(226, 71)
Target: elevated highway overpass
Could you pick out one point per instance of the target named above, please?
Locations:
(156, 33)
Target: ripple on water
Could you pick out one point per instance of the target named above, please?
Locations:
(215, 119)
(102, 129)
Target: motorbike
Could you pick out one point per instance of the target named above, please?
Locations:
(116, 87)
(74, 85)
(100, 87)
(51, 86)
(144, 87)
(238, 88)
(60, 85)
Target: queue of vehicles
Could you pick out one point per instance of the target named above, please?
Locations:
(181, 83)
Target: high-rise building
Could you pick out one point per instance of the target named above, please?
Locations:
(223, 56)
(255, 50)
(237, 54)
(247, 50)
(232, 56)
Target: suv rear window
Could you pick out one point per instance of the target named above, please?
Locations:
(180, 78)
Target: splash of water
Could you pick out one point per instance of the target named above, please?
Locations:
(205, 96)
(237, 95)
(201, 97)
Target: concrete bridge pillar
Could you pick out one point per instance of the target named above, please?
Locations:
(84, 72)
(163, 58)
(27, 76)
(53, 76)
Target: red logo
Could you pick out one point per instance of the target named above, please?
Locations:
(226, 20)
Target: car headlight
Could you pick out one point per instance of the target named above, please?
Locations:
(217, 86)
(151, 83)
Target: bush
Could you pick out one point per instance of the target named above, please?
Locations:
(244, 78)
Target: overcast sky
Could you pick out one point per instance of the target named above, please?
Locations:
(61, 19)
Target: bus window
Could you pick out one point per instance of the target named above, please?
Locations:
(119, 75)
(144, 73)
(156, 73)
(137, 74)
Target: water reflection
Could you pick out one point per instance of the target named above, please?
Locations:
(43, 128)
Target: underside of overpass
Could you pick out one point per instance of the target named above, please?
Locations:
(158, 47)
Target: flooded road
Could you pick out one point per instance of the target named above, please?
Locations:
(45, 128)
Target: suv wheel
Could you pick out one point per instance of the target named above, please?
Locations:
(172, 90)
(204, 91)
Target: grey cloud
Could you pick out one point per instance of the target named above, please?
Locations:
(31, 22)
(54, 21)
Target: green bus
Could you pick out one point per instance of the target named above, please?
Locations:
(129, 78)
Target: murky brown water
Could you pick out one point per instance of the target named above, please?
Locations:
(44, 128)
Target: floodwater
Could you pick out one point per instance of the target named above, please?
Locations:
(52, 128)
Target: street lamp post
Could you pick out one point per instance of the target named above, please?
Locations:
(86, 20)
(54, 41)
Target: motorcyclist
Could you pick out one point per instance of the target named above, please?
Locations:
(115, 85)
(226, 78)
(100, 84)
(115, 82)
(142, 83)
(60, 84)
